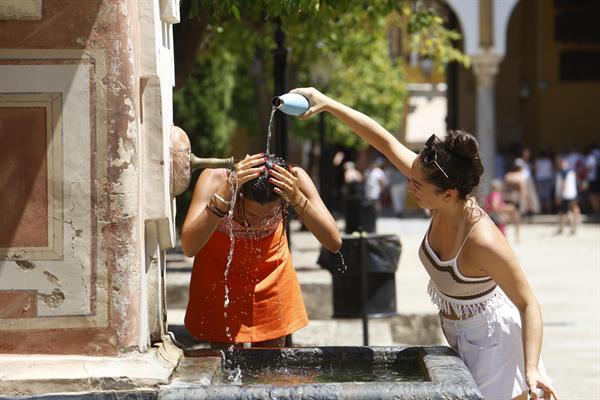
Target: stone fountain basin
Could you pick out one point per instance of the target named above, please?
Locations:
(434, 372)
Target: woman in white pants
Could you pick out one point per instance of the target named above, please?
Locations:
(489, 312)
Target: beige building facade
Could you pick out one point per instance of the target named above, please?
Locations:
(545, 89)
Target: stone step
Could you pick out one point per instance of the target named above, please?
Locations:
(314, 283)
(417, 329)
(315, 286)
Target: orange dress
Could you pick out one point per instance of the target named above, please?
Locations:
(265, 301)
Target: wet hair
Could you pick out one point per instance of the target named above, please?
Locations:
(458, 156)
(260, 189)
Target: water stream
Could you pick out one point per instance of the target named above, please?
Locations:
(343, 263)
(234, 190)
(269, 130)
(286, 375)
(235, 375)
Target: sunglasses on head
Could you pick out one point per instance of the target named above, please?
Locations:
(429, 155)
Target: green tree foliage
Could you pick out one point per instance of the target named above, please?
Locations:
(231, 84)
(203, 105)
(202, 108)
(360, 74)
(224, 64)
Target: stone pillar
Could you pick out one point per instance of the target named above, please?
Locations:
(485, 67)
(85, 120)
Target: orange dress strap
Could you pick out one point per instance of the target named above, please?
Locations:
(265, 301)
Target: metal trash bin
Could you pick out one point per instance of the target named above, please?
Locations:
(382, 254)
(360, 214)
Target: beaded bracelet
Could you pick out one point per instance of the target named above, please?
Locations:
(303, 209)
(212, 208)
(298, 203)
(212, 201)
(222, 199)
(213, 211)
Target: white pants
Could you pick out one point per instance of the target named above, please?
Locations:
(490, 344)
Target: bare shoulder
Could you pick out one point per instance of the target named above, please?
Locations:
(485, 233)
(210, 179)
(487, 246)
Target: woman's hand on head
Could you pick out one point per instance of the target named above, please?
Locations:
(286, 184)
(249, 168)
(318, 101)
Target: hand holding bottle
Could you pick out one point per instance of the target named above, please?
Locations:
(318, 101)
(291, 103)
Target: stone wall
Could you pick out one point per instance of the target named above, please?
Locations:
(85, 113)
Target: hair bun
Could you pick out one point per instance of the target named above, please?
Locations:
(462, 144)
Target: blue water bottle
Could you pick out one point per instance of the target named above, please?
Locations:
(291, 103)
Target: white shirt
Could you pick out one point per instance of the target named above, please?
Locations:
(376, 179)
(573, 159)
(544, 168)
(566, 188)
(524, 167)
(590, 164)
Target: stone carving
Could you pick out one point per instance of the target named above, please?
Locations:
(180, 161)
(183, 162)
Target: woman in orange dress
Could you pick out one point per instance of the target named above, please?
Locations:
(255, 296)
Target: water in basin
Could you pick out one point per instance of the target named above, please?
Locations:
(296, 375)
(299, 366)
(349, 373)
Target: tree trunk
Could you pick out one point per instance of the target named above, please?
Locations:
(263, 94)
(189, 35)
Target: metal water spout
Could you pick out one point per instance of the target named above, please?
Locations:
(200, 163)
(184, 163)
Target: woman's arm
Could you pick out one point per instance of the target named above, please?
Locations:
(489, 249)
(200, 222)
(366, 127)
(297, 188)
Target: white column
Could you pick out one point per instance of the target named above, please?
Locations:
(485, 67)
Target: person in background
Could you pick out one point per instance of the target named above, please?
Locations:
(499, 165)
(576, 163)
(532, 202)
(501, 212)
(375, 181)
(489, 312)
(566, 196)
(257, 300)
(544, 178)
(515, 187)
(337, 182)
(353, 181)
(574, 158)
(593, 166)
(398, 185)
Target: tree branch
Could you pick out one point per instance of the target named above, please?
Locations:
(189, 37)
